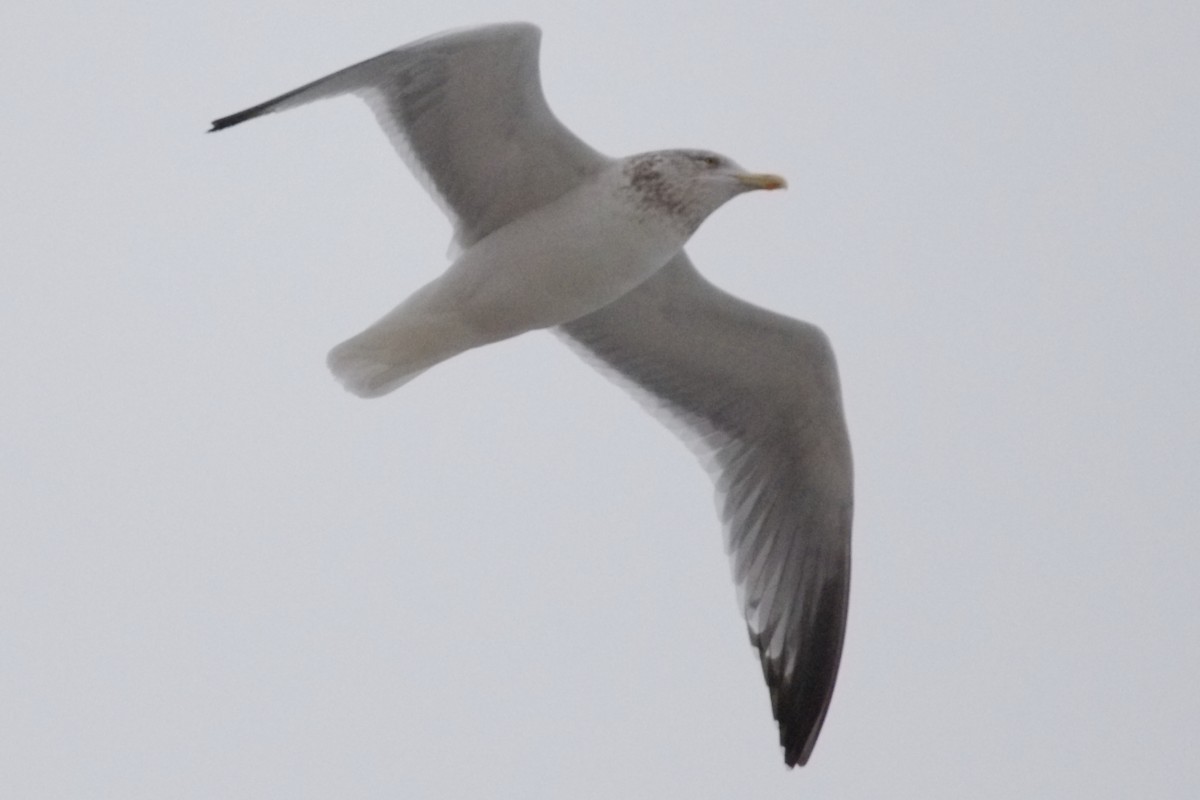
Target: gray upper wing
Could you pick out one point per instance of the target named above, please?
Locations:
(466, 111)
(756, 396)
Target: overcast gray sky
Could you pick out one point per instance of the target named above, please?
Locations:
(223, 577)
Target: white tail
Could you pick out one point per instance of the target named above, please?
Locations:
(397, 349)
(365, 373)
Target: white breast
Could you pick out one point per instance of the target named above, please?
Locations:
(558, 263)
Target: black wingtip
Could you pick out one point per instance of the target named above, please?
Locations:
(800, 696)
(232, 119)
(796, 756)
(241, 116)
(223, 122)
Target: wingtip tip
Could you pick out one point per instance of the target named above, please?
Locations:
(234, 119)
(795, 752)
(796, 757)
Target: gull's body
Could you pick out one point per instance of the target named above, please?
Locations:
(555, 264)
(555, 235)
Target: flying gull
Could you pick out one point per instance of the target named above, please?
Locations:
(552, 234)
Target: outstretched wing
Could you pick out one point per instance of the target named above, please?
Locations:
(756, 396)
(466, 112)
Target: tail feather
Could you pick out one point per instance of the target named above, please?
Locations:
(395, 350)
(367, 372)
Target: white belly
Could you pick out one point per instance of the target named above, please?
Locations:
(553, 265)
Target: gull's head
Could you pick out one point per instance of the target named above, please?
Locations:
(691, 184)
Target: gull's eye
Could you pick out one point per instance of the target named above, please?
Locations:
(712, 162)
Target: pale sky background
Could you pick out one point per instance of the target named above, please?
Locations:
(223, 577)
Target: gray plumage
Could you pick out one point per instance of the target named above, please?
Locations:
(754, 393)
